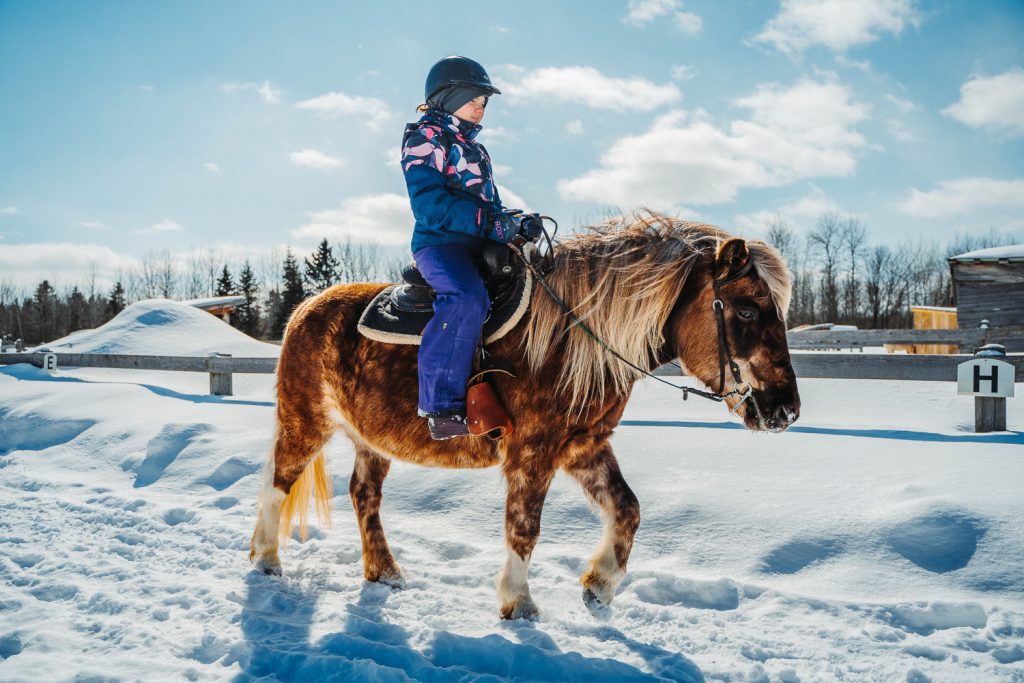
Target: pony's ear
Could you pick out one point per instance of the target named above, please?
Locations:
(732, 255)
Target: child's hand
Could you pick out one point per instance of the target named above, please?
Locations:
(531, 226)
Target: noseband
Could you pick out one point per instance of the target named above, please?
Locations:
(742, 389)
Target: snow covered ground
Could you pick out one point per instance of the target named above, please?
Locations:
(879, 539)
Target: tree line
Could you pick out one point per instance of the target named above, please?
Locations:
(838, 277)
(272, 287)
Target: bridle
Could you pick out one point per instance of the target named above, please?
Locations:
(742, 389)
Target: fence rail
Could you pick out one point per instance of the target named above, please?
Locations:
(934, 368)
(966, 340)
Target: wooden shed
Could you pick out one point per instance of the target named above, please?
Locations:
(989, 285)
(220, 306)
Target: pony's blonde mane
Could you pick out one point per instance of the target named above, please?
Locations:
(621, 278)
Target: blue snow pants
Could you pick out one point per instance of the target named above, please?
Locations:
(452, 335)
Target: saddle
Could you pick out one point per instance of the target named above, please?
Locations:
(400, 312)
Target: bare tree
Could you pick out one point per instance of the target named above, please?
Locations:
(195, 275)
(826, 243)
(853, 236)
(167, 275)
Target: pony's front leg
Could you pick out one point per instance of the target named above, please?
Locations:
(527, 488)
(365, 488)
(599, 475)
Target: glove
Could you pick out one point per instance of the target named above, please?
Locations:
(531, 226)
(502, 227)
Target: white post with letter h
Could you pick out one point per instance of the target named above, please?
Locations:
(990, 381)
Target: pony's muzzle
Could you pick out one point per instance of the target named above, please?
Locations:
(772, 411)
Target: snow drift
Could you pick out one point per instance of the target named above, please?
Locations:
(160, 327)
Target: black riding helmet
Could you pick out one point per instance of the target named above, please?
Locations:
(460, 72)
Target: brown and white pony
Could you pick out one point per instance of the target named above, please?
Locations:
(643, 284)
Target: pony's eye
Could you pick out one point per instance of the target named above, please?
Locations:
(748, 314)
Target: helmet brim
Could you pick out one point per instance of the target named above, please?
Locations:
(485, 88)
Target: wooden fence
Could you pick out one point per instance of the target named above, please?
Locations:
(221, 366)
(966, 340)
(936, 368)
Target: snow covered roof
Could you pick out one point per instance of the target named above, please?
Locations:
(216, 302)
(944, 309)
(1010, 252)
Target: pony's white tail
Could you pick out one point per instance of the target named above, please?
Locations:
(313, 480)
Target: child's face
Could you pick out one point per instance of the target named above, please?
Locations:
(472, 110)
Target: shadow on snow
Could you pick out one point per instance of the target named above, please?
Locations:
(29, 373)
(1012, 438)
(277, 618)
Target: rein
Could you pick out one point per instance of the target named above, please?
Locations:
(724, 354)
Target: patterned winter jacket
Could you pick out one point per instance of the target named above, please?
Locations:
(454, 198)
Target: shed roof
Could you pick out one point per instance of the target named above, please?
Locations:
(216, 302)
(1010, 252)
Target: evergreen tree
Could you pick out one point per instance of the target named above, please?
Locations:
(225, 283)
(271, 312)
(322, 268)
(247, 315)
(292, 296)
(42, 315)
(78, 310)
(116, 302)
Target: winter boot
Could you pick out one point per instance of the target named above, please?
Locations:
(447, 426)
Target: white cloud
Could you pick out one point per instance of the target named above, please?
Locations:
(312, 158)
(497, 135)
(511, 200)
(687, 22)
(682, 72)
(899, 131)
(211, 167)
(904, 105)
(801, 213)
(836, 24)
(62, 263)
(9, 210)
(372, 112)
(392, 156)
(266, 90)
(959, 196)
(587, 86)
(166, 225)
(644, 12)
(800, 131)
(94, 225)
(574, 127)
(994, 102)
(384, 218)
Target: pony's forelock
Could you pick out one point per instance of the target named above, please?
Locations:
(622, 278)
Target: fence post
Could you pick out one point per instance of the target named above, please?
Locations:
(990, 411)
(220, 382)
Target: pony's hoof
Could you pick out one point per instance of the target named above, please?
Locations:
(269, 568)
(524, 609)
(392, 578)
(595, 604)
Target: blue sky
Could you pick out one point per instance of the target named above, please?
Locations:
(129, 127)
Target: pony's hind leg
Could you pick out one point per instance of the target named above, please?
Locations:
(295, 469)
(599, 475)
(365, 489)
(527, 488)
